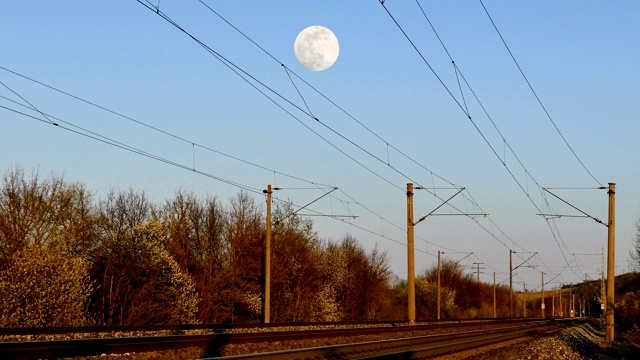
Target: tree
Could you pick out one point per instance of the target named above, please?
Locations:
(634, 253)
(295, 274)
(427, 295)
(195, 239)
(38, 212)
(396, 303)
(142, 284)
(44, 286)
(119, 213)
(241, 283)
(360, 280)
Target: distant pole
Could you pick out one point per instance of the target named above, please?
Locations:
(510, 284)
(603, 292)
(611, 262)
(579, 306)
(438, 301)
(267, 260)
(542, 302)
(560, 304)
(494, 295)
(411, 289)
(478, 264)
(524, 305)
(553, 304)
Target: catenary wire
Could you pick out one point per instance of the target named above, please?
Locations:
(83, 132)
(237, 70)
(536, 95)
(526, 192)
(289, 71)
(95, 136)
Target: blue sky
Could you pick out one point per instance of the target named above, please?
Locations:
(581, 58)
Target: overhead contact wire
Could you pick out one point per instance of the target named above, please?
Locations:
(310, 115)
(290, 71)
(536, 95)
(503, 161)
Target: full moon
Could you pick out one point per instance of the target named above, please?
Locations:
(316, 48)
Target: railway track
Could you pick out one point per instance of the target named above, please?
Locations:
(419, 347)
(218, 327)
(216, 341)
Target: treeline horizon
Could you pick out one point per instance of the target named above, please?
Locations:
(68, 259)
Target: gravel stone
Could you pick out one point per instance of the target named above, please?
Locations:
(577, 343)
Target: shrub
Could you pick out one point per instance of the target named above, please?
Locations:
(143, 284)
(44, 287)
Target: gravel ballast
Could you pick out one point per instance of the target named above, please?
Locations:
(577, 343)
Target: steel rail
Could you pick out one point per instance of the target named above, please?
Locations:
(173, 327)
(467, 343)
(214, 342)
(407, 348)
(214, 327)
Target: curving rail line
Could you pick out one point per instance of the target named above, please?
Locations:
(221, 327)
(215, 342)
(410, 348)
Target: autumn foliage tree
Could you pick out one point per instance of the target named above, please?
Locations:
(195, 238)
(295, 274)
(38, 212)
(359, 279)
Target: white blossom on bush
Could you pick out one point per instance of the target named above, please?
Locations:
(253, 302)
(44, 287)
(428, 293)
(174, 286)
(325, 307)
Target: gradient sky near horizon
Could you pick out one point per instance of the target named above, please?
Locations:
(387, 116)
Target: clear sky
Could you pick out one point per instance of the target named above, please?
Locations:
(387, 116)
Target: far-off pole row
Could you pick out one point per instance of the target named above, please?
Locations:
(411, 267)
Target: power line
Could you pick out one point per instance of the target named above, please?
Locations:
(92, 135)
(289, 71)
(25, 100)
(95, 136)
(458, 103)
(536, 95)
(457, 70)
(189, 142)
(239, 71)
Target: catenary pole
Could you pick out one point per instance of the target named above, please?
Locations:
(611, 262)
(438, 300)
(411, 291)
(524, 305)
(267, 260)
(510, 284)
(542, 301)
(603, 291)
(494, 295)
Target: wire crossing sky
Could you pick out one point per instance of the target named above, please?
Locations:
(383, 117)
(550, 220)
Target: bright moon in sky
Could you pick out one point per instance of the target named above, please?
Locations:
(316, 48)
